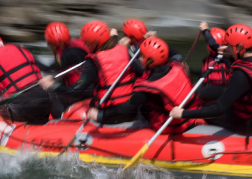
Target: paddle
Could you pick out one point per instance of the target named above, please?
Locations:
(103, 99)
(118, 78)
(6, 100)
(192, 48)
(144, 149)
(115, 83)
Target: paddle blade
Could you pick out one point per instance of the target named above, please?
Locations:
(139, 154)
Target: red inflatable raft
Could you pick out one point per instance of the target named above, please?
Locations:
(202, 149)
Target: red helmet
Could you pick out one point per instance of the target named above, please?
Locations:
(1, 43)
(155, 49)
(219, 36)
(95, 31)
(134, 28)
(239, 34)
(57, 33)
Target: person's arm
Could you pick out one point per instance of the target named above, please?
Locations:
(238, 85)
(135, 100)
(203, 26)
(210, 40)
(106, 115)
(88, 76)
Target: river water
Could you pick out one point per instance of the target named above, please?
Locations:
(25, 166)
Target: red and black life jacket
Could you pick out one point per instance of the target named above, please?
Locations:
(172, 88)
(243, 106)
(219, 75)
(17, 69)
(71, 77)
(110, 63)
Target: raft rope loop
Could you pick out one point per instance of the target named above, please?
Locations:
(84, 146)
(81, 146)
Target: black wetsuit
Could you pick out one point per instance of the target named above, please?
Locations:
(89, 76)
(239, 84)
(70, 56)
(137, 99)
(213, 92)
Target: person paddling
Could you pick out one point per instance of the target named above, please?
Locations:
(67, 52)
(17, 72)
(232, 109)
(102, 67)
(165, 86)
(216, 82)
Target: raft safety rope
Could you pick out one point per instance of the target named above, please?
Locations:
(83, 146)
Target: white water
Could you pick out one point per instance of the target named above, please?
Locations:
(26, 166)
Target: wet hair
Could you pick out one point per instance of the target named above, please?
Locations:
(110, 43)
(148, 63)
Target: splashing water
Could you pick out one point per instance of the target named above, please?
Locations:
(27, 166)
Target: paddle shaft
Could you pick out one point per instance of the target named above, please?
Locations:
(192, 48)
(196, 86)
(118, 78)
(34, 85)
(131, 53)
(58, 75)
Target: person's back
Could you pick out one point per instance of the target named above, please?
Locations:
(110, 59)
(232, 109)
(217, 80)
(167, 81)
(110, 63)
(67, 52)
(221, 72)
(17, 69)
(17, 72)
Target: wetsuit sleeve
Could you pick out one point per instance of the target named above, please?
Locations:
(89, 75)
(210, 40)
(239, 84)
(135, 100)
